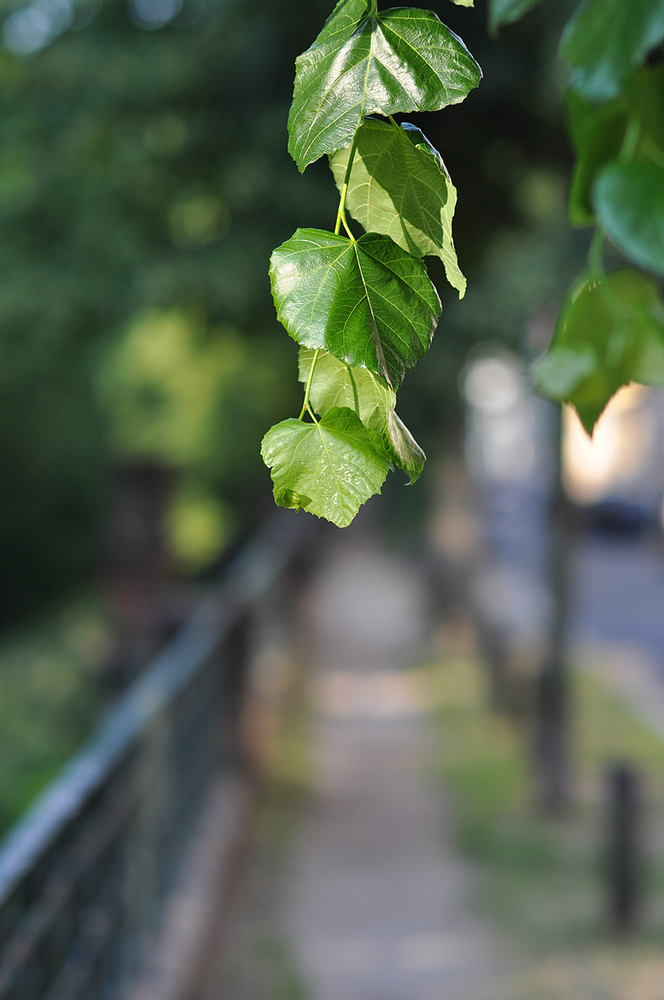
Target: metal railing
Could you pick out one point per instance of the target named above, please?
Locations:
(84, 875)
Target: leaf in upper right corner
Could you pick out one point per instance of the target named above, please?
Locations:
(399, 186)
(610, 332)
(606, 40)
(628, 199)
(598, 130)
(505, 11)
(399, 60)
(329, 468)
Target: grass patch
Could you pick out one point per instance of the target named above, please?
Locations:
(544, 881)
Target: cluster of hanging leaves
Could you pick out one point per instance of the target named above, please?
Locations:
(364, 309)
(611, 328)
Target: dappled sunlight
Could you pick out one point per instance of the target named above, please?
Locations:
(623, 451)
(199, 525)
(162, 385)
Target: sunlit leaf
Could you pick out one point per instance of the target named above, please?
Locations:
(610, 332)
(329, 468)
(366, 301)
(598, 131)
(629, 202)
(505, 11)
(399, 186)
(337, 384)
(402, 59)
(606, 40)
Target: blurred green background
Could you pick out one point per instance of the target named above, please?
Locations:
(144, 181)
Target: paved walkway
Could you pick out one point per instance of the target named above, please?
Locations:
(377, 901)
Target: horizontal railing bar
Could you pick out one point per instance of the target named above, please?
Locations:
(250, 575)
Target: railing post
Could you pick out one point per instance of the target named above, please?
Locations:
(623, 860)
(552, 689)
(140, 569)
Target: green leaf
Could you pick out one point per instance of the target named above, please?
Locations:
(606, 40)
(629, 201)
(505, 11)
(403, 449)
(366, 301)
(610, 332)
(464, 3)
(399, 186)
(337, 384)
(402, 59)
(329, 468)
(598, 132)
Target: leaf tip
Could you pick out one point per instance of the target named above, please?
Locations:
(588, 421)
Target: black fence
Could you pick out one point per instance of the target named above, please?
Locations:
(85, 874)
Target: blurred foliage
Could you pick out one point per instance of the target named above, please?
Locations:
(195, 397)
(144, 179)
(141, 172)
(199, 525)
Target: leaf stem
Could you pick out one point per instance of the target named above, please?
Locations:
(312, 414)
(341, 213)
(374, 6)
(595, 263)
(305, 406)
(349, 232)
(630, 140)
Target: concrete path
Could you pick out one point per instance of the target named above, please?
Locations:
(377, 901)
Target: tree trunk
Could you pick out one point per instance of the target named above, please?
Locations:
(552, 695)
